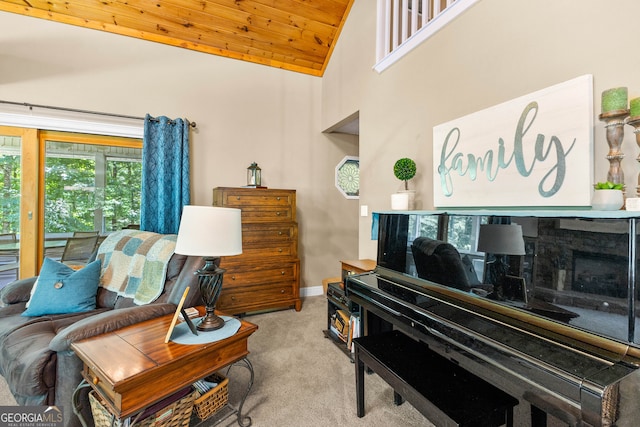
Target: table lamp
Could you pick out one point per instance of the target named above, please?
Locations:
(500, 240)
(210, 232)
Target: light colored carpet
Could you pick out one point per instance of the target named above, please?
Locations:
(302, 378)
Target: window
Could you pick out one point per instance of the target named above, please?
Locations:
(91, 186)
(422, 225)
(9, 206)
(462, 232)
(348, 177)
(459, 230)
(10, 183)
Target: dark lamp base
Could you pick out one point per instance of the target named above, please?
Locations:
(210, 323)
(210, 280)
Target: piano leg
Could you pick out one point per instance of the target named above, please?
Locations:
(397, 399)
(359, 383)
(509, 417)
(538, 417)
(542, 407)
(374, 324)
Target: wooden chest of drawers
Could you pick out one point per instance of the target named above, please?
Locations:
(267, 274)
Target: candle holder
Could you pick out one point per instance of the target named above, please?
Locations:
(615, 134)
(635, 122)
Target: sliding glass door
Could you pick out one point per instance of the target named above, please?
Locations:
(90, 183)
(53, 184)
(10, 157)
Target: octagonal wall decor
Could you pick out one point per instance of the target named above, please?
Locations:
(532, 151)
(348, 177)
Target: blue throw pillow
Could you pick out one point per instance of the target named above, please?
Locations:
(61, 289)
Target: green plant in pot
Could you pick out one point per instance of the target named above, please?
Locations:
(404, 169)
(607, 196)
(608, 185)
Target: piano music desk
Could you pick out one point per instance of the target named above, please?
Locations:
(441, 390)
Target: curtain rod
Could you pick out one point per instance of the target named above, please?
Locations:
(74, 110)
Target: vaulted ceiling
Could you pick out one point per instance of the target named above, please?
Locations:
(295, 35)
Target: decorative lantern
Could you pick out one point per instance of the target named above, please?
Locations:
(254, 178)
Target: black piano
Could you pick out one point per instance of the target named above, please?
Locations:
(542, 305)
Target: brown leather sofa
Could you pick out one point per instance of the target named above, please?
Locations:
(35, 355)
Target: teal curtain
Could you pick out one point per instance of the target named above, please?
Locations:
(165, 174)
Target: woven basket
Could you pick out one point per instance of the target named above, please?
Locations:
(215, 399)
(177, 414)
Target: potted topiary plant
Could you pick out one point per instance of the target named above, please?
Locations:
(404, 169)
(607, 196)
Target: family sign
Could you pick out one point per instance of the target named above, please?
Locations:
(536, 150)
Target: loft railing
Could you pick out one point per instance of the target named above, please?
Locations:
(403, 24)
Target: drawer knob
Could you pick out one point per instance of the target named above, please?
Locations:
(279, 249)
(277, 213)
(237, 197)
(278, 198)
(233, 298)
(279, 233)
(282, 272)
(282, 291)
(96, 380)
(233, 277)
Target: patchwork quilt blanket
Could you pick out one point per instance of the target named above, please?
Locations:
(134, 263)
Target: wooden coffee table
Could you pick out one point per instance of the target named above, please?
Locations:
(132, 368)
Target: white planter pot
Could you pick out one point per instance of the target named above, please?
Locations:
(607, 200)
(403, 200)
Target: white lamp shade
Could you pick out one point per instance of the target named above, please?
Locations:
(209, 231)
(501, 239)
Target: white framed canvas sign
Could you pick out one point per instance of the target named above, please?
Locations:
(535, 150)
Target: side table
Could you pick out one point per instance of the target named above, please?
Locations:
(132, 368)
(338, 301)
(356, 267)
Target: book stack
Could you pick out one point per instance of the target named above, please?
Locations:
(340, 324)
(204, 386)
(346, 326)
(354, 330)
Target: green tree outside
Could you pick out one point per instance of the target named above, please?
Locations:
(122, 194)
(71, 196)
(10, 202)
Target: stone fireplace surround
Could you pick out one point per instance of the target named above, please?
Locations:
(579, 267)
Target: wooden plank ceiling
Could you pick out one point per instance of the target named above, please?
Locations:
(296, 35)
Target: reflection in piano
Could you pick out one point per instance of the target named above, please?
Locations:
(554, 345)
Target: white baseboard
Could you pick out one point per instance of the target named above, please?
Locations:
(311, 291)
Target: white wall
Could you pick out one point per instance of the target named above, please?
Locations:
(496, 51)
(244, 112)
